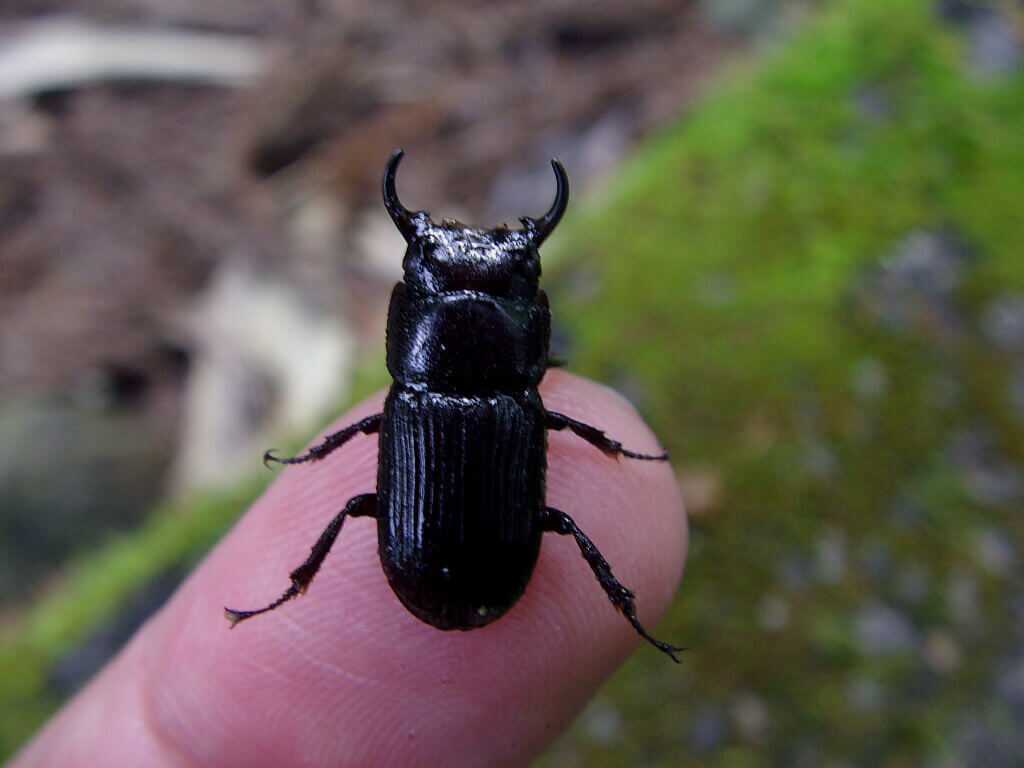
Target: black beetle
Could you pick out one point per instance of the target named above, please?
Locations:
(463, 436)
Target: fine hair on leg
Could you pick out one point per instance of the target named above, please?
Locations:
(364, 505)
(368, 426)
(597, 438)
(622, 598)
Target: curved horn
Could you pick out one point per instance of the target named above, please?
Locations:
(399, 214)
(544, 226)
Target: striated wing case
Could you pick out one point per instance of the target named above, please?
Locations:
(459, 487)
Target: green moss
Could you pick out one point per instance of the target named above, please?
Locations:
(731, 258)
(24, 700)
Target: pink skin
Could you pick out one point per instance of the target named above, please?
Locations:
(344, 676)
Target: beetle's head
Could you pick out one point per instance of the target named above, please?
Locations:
(449, 257)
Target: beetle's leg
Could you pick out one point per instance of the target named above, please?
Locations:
(597, 438)
(359, 506)
(367, 426)
(622, 598)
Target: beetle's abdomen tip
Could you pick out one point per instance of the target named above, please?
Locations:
(453, 615)
(448, 609)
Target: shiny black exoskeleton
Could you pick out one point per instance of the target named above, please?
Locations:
(463, 435)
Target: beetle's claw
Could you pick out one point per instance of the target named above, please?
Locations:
(270, 457)
(669, 650)
(672, 650)
(233, 616)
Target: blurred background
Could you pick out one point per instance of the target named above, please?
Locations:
(795, 244)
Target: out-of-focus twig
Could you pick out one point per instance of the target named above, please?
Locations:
(65, 52)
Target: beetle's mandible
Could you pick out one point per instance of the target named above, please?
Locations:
(460, 504)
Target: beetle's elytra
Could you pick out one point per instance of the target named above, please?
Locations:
(460, 503)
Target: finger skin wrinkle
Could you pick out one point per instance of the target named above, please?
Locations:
(171, 748)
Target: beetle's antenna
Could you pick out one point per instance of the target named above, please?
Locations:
(543, 227)
(399, 214)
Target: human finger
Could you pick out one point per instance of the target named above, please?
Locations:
(344, 675)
